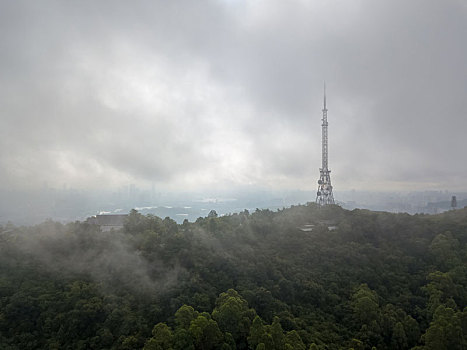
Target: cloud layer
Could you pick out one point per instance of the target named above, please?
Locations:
(186, 94)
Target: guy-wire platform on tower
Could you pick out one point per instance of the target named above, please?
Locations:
(324, 195)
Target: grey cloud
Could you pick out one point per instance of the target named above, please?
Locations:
(232, 91)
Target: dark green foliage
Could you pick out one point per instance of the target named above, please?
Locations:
(242, 281)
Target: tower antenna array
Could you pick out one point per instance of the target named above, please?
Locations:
(324, 195)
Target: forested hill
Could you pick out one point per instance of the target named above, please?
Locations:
(358, 280)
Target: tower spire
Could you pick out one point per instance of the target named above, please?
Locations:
(325, 95)
(324, 195)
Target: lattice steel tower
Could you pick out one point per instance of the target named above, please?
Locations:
(324, 195)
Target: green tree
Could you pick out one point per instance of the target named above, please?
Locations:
(135, 222)
(131, 342)
(440, 290)
(365, 305)
(183, 340)
(399, 339)
(206, 333)
(229, 342)
(412, 331)
(444, 249)
(162, 338)
(184, 315)
(233, 316)
(212, 214)
(445, 331)
(258, 334)
(277, 334)
(293, 339)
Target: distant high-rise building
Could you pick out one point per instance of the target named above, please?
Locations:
(324, 195)
(453, 202)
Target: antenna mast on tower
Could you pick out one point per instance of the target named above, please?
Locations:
(324, 195)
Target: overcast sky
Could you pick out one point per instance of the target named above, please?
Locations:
(191, 95)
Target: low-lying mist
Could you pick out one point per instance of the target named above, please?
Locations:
(80, 250)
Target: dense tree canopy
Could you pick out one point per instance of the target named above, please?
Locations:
(358, 280)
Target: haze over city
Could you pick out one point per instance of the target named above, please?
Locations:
(221, 95)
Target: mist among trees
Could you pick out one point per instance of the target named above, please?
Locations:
(240, 281)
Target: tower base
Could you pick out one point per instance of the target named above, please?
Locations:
(324, 195)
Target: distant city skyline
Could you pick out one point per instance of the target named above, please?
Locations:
(69, 204)
(227, 95)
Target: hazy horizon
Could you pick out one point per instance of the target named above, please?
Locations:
(69, 205)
